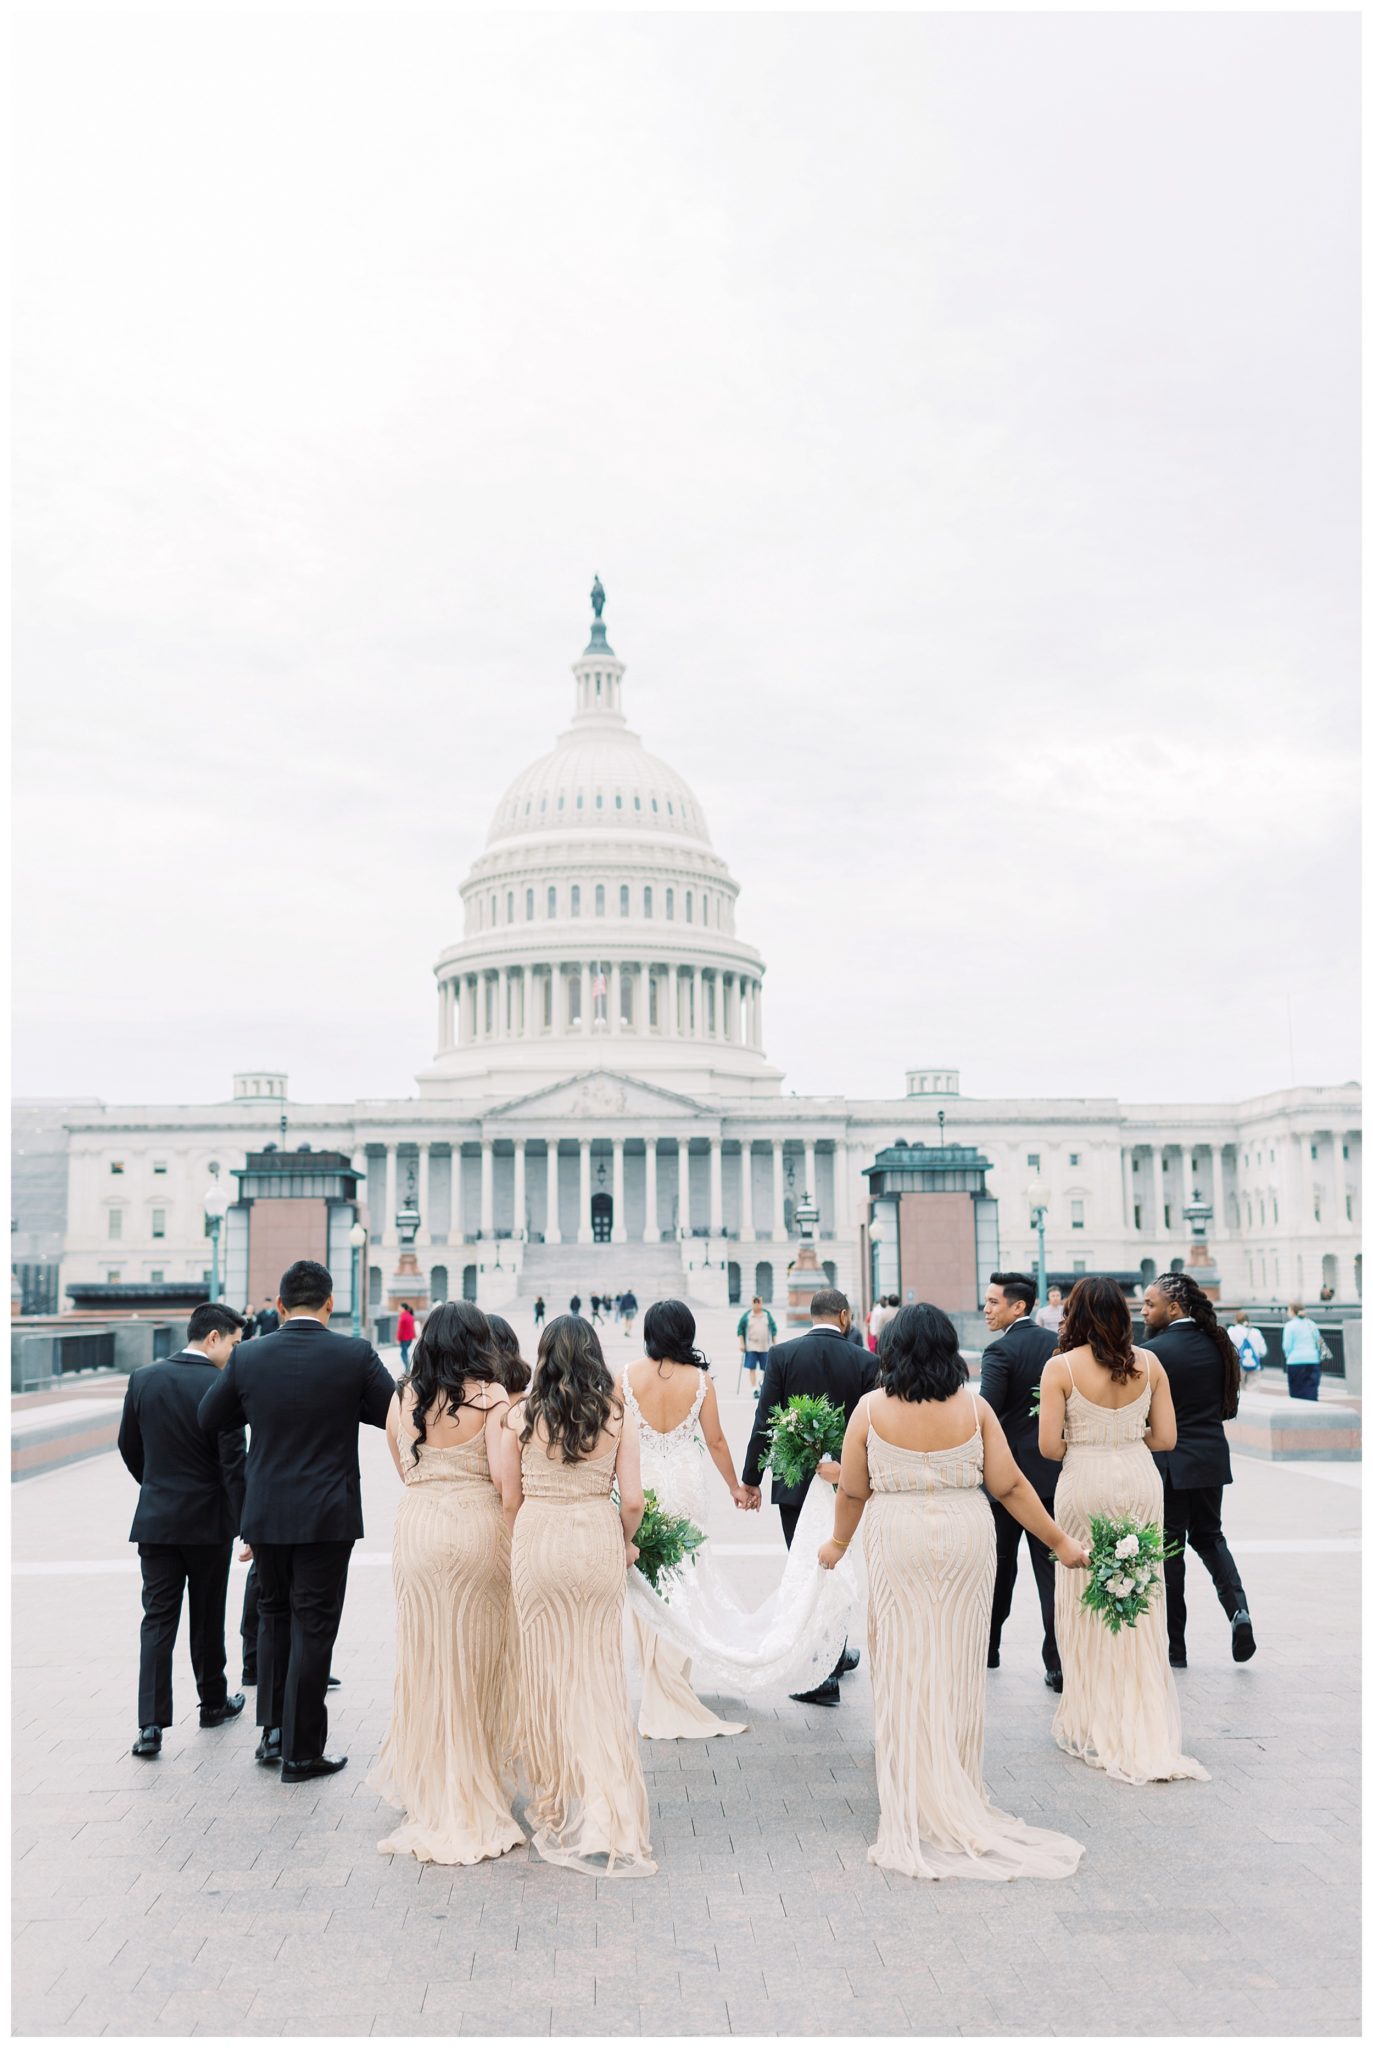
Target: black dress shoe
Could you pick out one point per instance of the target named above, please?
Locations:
(993, 1660)
(269, 1748)
(250, 1674)
(149, 1742)
(850, 1660)
(332, 1683)
(1054, 1680)
(826, 1695)
(1178, 1659)
(1242, 1644)
(313, 1767)
(215, 1717)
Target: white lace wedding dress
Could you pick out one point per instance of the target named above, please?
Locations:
(789, 1644)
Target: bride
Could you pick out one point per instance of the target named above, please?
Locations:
(789, 1643)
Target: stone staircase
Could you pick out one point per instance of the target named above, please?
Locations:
(558, 1271)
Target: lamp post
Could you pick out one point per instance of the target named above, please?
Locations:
(357, 1238)
(216, 1207)
(1038, 1192)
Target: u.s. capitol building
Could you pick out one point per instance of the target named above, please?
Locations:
(600, 1110)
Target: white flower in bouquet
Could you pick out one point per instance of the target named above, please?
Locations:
(1128, 1546)
(1120, 1585)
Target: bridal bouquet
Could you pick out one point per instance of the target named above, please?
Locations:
(1127, 1564)
(808, 1429)
(666, 1543)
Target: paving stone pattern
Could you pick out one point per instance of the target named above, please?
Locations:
(196, 1895)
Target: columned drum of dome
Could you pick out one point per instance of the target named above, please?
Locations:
(599, 924)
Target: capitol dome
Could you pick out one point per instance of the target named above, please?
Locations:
(598, 922)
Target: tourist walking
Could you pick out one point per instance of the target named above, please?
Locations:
(190, 1504)
(267, 1319)
(1051, 1315)
(575, 1305)
(596, 1306)
(441, 1760)
(1011, 1367)
(821, 1362)
(539, 1311)
(757, 1333)
(629, 1308)
(1304, 1352)
(571, 1551)
(918, 1452)
(405, 1334)
(1249, 1345)
(303, 1392)
(1104, 1407)
(1204, 1380)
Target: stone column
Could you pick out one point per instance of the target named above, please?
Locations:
(683, 1188)
(1156, 1155)
(551, 1232)
(422, 1235)
(717, 1187)
(779, 1191)
(518, 1224)
(1339, 1187)
(651, 1191)
(618, 1233)
(758, 1016)
(530, 1002)
(809, 1169)
(1127, 1191)
(488, 1222)
(388, 1221)
(841, 1222)
(746, 1189)
(613, 1004)
(584, 981)
(1306, 1220)
(584, 1189)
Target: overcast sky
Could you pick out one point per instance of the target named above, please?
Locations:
(960, 411)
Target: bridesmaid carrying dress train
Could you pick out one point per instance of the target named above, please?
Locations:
(1104, 1408)
(917, 1454)
(571, 1551)
(441, 1759)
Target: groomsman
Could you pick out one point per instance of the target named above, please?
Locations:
(821, 1362)
(1011, 1367)
(304, 1391)
(190, 1500)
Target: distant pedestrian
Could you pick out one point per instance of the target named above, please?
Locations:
(1327, 1292)
(757, 1333)
(1247, 1342)
(267, 1318)
(249, 1325)
(598, 1302)
(1303, 1352)
(629, 1308)
(575, 1305)
(1051, 1315)
(539, 1311)
(405, 1333)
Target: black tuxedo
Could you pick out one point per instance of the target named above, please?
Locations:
(821, 1362)
(303, 1391)
(1012, 1365)
(190, 1498)
(267, 1321)
(1196, 1471)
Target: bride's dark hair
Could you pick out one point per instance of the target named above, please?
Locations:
(454, 1349)
(573, 1396)
(670, 1335)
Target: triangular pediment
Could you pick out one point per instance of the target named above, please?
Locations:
(599, 1093)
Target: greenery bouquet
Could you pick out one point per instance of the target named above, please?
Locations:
(808, 1429)
(1127, 1565)
(666, 1544)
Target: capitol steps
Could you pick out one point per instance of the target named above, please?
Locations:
(558, 1271)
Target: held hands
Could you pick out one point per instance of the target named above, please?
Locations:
(245, 1556)
(830, 1553)
(828, 1468)
(1072, 1555)
(749, 1498)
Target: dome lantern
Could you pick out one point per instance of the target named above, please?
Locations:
(598, 672)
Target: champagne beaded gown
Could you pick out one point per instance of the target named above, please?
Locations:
(441, 1759)
(930, 1545)
(1119, 1709)
(589, 1805)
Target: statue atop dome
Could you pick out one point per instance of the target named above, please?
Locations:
(597, 597)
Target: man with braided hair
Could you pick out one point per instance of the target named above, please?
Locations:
(1204, 1375)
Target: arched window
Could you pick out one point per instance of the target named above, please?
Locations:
(579, 800)
(688, 906)
(670, 911)
(576, 900)
(600, 801)
(624, 899)
(762, 1280)
(648, 901)
(600, 899)
(552, 900)
(619, 801)
(528, 905)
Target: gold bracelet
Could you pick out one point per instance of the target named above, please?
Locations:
(838, 1545)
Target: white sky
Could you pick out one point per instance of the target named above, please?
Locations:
(961, 412)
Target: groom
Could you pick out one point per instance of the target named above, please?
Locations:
(821, 1362)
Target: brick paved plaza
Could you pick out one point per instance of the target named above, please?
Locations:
(197, 1895)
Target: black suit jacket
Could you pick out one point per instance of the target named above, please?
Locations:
(303, 1391)
(1012, 1365)
(268, 1320)
(821, 1362)
(190, 1486)
(1196, 1377)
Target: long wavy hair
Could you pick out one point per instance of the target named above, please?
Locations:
(1182, 1289)
(918, 1358)
(515, 1374)
(1096, 1317)
(454, 1350)
(572, 1395)
(670, 1335)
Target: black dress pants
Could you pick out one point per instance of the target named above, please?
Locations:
(247, 1627)
(201, 1572)
(1191, 1514)
(1008, 1535)
(300, 1589)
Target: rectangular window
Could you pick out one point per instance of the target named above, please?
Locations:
(670, 901)
(1079, 1265)
(627, 986)
(1315, 1152)
(1349, 1208)
(1078, 1216)
(648, 902)
(1167, 1215)
(115, 1225)
(157, 1276)
(510, 906)
(159, 1223)
(576, 900)
(688, 906)
(1032, 1161)
(1343, 1148)
(159, 1166)
(552, 901)
(1275, 1208)
(116, 1166)
(547, 1002)
(113, 1276)
(1139, 1221)
(574, 998)
(1074, 1159)
(529, 906)
(600, 899)
(624, 899)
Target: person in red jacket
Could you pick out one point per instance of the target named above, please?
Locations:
(405, 1333)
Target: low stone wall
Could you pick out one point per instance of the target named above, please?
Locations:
(47, 1433)
(1290, 1430)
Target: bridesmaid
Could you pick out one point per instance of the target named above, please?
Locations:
(441, 1760)
(1104, 1407)
(589, 1804)
(920, 1448)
